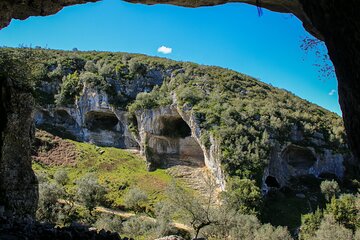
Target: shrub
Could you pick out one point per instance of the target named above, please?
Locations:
(329, 229)
(109, 223)
(243, 195)
(90, 66)
(309, 224)
(135, 200)
(48, 205)
(138, 225)
(329, 189)
(268, 232)
(61, 177)
(89, 191)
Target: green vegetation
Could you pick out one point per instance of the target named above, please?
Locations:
(116, 169)
(244, 115)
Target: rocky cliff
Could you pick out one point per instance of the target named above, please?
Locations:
(335, 22)
(18, 184)
(170, 130)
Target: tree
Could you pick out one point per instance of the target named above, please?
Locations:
(90, 66)
(243, 195)
(90, 192)
(309, 224)
(329, 229)
(329, 189)
(199, 212)
(345, 210)
(135, 199)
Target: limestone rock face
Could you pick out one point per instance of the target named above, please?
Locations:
(289, 160)
(18, 184)
(170, 136)
(90, 119)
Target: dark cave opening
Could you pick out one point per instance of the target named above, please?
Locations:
(96, 121)
(62, 117)
(299, 157)
(174, 127)
(272, 182)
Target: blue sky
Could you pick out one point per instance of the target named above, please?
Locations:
(231, 36)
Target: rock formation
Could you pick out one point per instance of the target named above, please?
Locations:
(18, 184)
(336, 22)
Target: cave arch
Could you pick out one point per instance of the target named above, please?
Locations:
(97, 121)
(298, 157)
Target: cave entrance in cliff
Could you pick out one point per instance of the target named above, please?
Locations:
(62, 117)
(299, 157)
(187, 150)
(272, 182)
(98, 121)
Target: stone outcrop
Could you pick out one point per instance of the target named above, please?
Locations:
(171, 136)
(336, 22)
(18, 184)
(291, 161)
(90, 119)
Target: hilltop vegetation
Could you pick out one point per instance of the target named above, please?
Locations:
(242, 113)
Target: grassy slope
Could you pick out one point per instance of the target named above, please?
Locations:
(114, 168)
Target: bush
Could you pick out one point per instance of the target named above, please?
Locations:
(135, 199)
(243, 195)
(331, 230)
(109, 223)
(89, 191)
(268, 232)
(70, 89)
(61, 177)
(329, 189)
(309, 224)
(137, 68)
(48, 205)
(138, 225)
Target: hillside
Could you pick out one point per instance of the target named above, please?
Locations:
(181, 121)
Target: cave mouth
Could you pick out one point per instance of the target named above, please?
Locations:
(299, 157)
(97, 121)
(174, 127)
(173, 145)
(272, 182)
(62, 117)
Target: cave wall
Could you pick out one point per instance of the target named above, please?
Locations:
(188, 150)
(289, 161)
(91, 119)
(18, 184)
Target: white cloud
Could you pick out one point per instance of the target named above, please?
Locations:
(332, 92)
(164, 50)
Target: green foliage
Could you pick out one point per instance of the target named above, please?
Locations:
(135, 199)
(89, 191)
(138, 225)
(329, 189)
(330, 229)
(109, 222)
(243, 195)
(61, 177)
(345, 210)
(48, 205)
(309, 224)
(70, 89)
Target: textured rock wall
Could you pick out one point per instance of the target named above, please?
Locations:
(90, 119)
(156, 147)
(18, 184)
